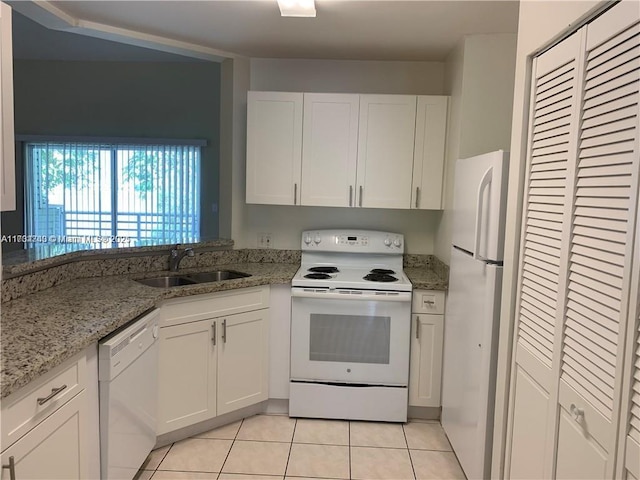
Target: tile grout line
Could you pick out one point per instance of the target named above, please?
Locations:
(409, 452)
(162, 460)
(349, 429)
(233, 441)
(293, 434)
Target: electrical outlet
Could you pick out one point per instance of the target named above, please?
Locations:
(265, 240)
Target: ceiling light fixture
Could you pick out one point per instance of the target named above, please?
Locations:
(297, 8)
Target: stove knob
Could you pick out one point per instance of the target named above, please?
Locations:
(397, 242)
(317, 239)
(387, 242)
(307, 239)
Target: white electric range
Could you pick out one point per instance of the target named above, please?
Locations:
(350, 327)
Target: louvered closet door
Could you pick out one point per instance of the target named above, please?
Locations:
(578, 235)
(630, 450)
(553, 137)
(599, 277)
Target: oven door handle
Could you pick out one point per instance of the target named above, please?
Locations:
(351, 295)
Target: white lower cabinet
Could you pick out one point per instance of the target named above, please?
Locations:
(214, 357)
(427, 337)
(52, 450)
(47, 427)
(187, 375)
(243, 360)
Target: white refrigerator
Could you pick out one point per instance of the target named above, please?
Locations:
(473, 309)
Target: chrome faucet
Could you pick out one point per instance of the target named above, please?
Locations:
(176, 255)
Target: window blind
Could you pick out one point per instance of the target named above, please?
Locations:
(112, 194)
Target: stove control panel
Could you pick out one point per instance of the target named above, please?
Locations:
(366, 241)
(393, 241)
(353, 240)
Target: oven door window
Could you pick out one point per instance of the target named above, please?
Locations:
(349, 338)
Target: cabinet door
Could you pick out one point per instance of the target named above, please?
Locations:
(274, 147)
(55, 448)
(243, 360)
(425, 367)
(7, 145)
(186, 375)
(386, 135)
(329, 149)
(428, 156)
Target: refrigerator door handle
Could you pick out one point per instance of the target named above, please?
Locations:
(486, 180)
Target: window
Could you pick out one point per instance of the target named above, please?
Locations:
(103, 194)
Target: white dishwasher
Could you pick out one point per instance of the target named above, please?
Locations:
(128, 380)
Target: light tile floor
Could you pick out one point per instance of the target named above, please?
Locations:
(279, 447)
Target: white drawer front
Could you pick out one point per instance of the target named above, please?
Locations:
(428, 301)
(24, 409)
(219, 304)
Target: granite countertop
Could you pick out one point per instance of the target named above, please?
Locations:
(23, 261)
(42, 330)
(424, 278)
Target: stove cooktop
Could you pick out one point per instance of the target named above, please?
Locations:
(351, 277)
(352, 259)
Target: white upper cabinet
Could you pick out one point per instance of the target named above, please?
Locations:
(7, 144)
(274, 147)
(428, 155)
(385, 150)
(329, 149)
(345, 150)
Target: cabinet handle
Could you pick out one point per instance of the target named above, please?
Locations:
(11, 467)
(224, 331)
(295, 193)
(577, 413)
(351, 195)
(54, 392)
(417, 197)
(417, 326)
(213, 327)
(360, 195)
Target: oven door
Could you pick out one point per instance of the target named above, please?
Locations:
(347, 336)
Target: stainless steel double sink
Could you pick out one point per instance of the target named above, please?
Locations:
(166, 281)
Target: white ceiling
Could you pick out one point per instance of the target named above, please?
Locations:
(343, 29)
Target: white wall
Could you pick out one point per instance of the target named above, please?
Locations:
(479, 77)
(346, 76)
(233, 135)
(287, 223)
(540, 22)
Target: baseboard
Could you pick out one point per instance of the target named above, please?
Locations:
(424, 413)
(277, 406)
(207, 425)
(273, 406)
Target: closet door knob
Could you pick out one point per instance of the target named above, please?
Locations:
(576, 412)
